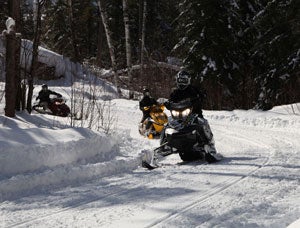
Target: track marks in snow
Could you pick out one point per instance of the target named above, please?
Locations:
(270, 147)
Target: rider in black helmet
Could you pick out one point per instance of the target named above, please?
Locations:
(184, 91)
(146, 102)
(44, 96)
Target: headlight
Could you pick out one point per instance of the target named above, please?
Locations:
(186, 112)
(181, 114)
(175, 113)
(170, 131)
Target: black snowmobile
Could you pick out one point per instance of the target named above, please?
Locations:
(184, 134)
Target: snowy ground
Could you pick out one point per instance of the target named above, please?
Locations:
(52, 175)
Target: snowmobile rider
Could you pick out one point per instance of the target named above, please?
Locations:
(184, 91)
(145, 104)
(44, 96)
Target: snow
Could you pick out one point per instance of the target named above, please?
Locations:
(55, 175)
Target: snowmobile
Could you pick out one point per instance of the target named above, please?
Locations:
(57, 107)
(153, 125)
(184, 134)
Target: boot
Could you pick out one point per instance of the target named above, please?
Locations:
(210, 148)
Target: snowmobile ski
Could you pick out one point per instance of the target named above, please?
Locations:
(213, 157)
(148, 165)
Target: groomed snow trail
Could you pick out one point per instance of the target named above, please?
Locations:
(248, 188)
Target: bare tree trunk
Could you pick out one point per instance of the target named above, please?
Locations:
(143, 37)
(73, 35)
(140, 26)
(10, 79)
(99, 43)
(12, 59)
(15, 12)
(35, 46)
(128, 46)
(19, 102)
(109, 43)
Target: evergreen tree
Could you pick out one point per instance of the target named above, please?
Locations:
(86, 24)
(57, 30)
(3, 14)
(161, 34)
(277, 52)
(246, 35)
(210, 44)
(63, 32)
(246, 51)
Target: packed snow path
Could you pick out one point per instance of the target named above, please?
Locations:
(256, 185)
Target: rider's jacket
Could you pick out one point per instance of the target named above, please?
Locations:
(44, 95)
(147, 101)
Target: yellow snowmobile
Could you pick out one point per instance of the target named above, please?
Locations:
(153, 125)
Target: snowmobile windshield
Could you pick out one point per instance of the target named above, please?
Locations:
(181, 105)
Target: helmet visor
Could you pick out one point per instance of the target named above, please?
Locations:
(183, 80)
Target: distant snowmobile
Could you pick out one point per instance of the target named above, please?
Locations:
(57, 107)
(183, 135)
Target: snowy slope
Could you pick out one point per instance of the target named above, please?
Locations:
(52, 175)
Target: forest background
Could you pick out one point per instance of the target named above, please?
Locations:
(243, 53)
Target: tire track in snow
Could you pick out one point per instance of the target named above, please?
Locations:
(220, 187)
(79, 204)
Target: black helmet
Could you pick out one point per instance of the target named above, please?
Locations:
(44, 86)
(146, 92)
(183, 79)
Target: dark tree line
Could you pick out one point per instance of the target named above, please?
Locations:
(243, 53)
(247, 52)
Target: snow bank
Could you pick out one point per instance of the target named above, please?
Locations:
(34, 157)
(63, 66)
(279, 117)
(29, 158)
(25, 147)
(32, 183)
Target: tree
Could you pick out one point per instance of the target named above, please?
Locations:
(277, 53)
(128, 45)
(16, 14)
(109, 42)
(11, 75)
(35, 47)
(57, 30)
(142, 36)
(72, 30)
(208, 44)
(12, 86)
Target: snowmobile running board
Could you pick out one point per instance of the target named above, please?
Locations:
(209, 158)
